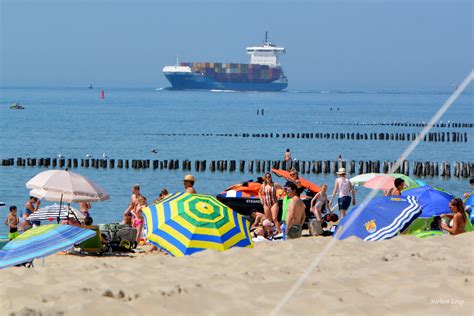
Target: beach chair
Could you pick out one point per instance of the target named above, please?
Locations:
(95, 245)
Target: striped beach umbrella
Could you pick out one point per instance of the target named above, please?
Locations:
(42, 241)
(379, 219)
(183, 224)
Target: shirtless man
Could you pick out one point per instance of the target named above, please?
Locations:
(296, 214)
(396, 190)
(188, 182)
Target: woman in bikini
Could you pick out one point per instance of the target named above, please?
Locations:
(268, 198)
(458, 219)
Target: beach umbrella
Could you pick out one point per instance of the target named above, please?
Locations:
(70, 186)
(51, 212)
(433, 201)
(184, 223)
(42, 241)
(469, 201)
(385, 181)
(410, 183)
(363, 178)
(65, 186)
(381, 218)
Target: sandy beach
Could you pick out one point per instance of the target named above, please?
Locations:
(404, 275)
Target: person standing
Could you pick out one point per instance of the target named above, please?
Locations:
(268, 197)
(12, 222)
(133, 200)
(294, 178)
(343, 186)
(296, 214)
(287, 155)
(188, 183)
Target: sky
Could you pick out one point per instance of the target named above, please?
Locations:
(331, 45)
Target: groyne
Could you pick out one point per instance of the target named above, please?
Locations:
(447, 169)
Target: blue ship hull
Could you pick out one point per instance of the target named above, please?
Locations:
(185, 81)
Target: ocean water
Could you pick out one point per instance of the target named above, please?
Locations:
(128, 123)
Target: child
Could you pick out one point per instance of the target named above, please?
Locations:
(138, 216)
(320, 202)
(12, 222)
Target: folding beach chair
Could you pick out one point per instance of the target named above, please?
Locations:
(95, 245)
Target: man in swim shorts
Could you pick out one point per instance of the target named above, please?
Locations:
(296, 213)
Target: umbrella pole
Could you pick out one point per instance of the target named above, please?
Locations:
(75, 216)
(60, 205)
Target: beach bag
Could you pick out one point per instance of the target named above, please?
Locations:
(315, 228)
(121, 237)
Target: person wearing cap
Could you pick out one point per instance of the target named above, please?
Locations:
(343, 186)
(188, 182)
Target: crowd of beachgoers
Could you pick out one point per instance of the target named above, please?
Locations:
(271, 224)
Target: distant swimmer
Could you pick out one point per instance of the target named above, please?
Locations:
(88, 156)
(154, 151)
(263, 111)
(60, 156)
(104, 155)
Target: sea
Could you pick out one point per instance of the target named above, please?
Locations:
(130, 123)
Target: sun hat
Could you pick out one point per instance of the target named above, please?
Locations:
(341, 171)
(189, 177)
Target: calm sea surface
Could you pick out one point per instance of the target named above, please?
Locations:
(127, 123)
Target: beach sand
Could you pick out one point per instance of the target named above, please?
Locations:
(402, 276)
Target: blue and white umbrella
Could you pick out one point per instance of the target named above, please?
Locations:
(434, 202)
(42, 241)
(381, 218)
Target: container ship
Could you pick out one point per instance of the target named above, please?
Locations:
(263, 73)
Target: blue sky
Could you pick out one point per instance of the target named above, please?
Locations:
(349, 45)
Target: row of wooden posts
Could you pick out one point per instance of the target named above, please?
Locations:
(454, 137)
(417, 168)
(410, 124)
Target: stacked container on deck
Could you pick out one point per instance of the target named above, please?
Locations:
(231, 72)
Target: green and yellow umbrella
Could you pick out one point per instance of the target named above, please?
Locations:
(184, 223)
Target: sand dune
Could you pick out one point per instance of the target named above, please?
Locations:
(403, 276)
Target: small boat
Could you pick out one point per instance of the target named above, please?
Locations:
(17, 106)
(243, 198)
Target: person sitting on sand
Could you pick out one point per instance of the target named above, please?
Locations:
(396, 190)
(133, 199)
(188, 183)
(12, 222)
(296, 214)
(256, 219)
(84, 207)
(320, 202)
(458, 218)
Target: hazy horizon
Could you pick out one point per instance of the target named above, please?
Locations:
(331, 45)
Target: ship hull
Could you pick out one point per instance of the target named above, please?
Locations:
(189, 81)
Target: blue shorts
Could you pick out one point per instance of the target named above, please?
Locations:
(344, 202)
